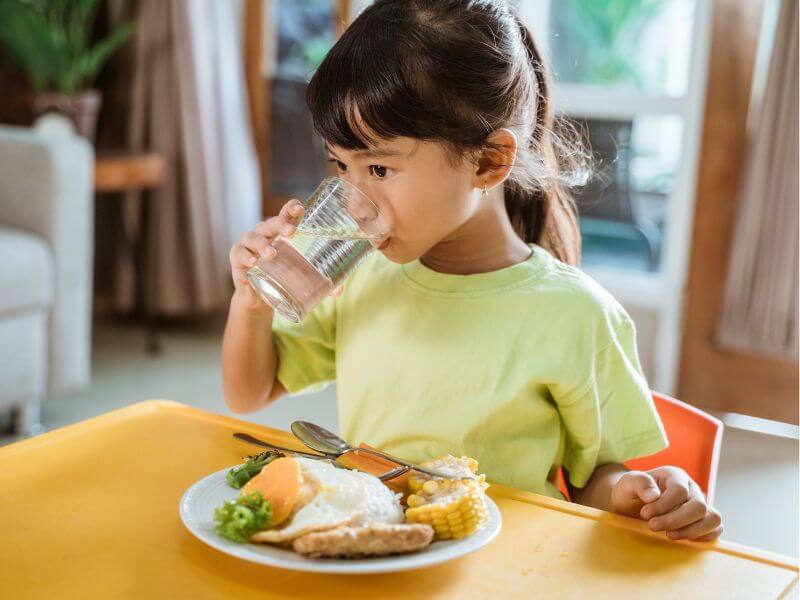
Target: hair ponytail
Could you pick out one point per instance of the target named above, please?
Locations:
(544, 213)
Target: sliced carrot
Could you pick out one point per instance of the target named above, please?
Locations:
(279, 482)
(375, 465)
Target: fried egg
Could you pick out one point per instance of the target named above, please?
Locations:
(331, 497)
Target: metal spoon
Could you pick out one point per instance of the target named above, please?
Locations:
(246, 437)
(320, 439)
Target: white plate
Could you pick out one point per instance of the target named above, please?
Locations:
(197, 511)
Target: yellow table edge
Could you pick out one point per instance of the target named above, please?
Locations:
(287, 439)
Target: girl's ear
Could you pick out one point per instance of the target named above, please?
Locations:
(496, 158)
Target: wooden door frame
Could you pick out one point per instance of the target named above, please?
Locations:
(710, 376)
(260, 58)
(257, 17)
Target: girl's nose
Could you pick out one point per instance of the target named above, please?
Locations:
(359, 182)
(362, 183)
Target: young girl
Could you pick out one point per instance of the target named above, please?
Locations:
(471, 331)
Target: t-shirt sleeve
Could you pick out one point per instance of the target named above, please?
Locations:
(307, 350)
(611, 417)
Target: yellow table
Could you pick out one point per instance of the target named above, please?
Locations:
(91, 511)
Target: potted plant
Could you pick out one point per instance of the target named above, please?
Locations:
(51, 43)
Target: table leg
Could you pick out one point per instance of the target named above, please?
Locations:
(144, 278)
(133, 247)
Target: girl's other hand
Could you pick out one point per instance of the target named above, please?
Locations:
(668, 500)
(256, 244)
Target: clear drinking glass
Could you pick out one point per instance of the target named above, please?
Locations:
(340, 227)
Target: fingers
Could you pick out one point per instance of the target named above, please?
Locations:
(645, 487)
(258, 243)
(686, 514)
(337, 291)
(681, 510)
(706, 529)
(272, 228)
(284, 223)
(710, 537)
(245, 254)
(676, 491)
(292, 211)
(633, 489)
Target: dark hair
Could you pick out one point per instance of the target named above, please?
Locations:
(454, 71)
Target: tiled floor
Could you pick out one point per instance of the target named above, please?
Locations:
(758, 480)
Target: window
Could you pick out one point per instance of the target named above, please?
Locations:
(635, 44)
(623, 71)
(624, 207)
(305, 33)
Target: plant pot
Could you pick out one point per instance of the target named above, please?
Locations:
(81, 109)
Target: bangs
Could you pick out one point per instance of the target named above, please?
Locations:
(361, 94)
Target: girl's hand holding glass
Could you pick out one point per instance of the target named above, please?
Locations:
(256, 244)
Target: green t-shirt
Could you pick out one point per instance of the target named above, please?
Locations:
(525, 369)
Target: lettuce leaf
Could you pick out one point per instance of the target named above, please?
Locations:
(239, 519)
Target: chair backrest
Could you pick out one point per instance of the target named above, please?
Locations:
(695, 439)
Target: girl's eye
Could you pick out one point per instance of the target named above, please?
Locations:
(340, 166)
(378, 171)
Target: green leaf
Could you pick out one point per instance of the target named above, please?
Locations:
(28, 40)
(91, 62)
(80, 25)
(601, 35)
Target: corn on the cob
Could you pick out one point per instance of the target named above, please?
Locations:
(454, 508)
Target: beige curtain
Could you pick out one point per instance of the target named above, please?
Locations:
(187, 101)
(761, 298)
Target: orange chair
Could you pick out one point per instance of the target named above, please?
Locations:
(695, 439)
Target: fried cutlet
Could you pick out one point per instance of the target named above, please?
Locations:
(370, 540)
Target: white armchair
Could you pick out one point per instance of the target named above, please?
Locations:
(46, 247)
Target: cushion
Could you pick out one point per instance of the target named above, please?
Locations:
(26, 271)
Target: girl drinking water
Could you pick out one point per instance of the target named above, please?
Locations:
(471, 331)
